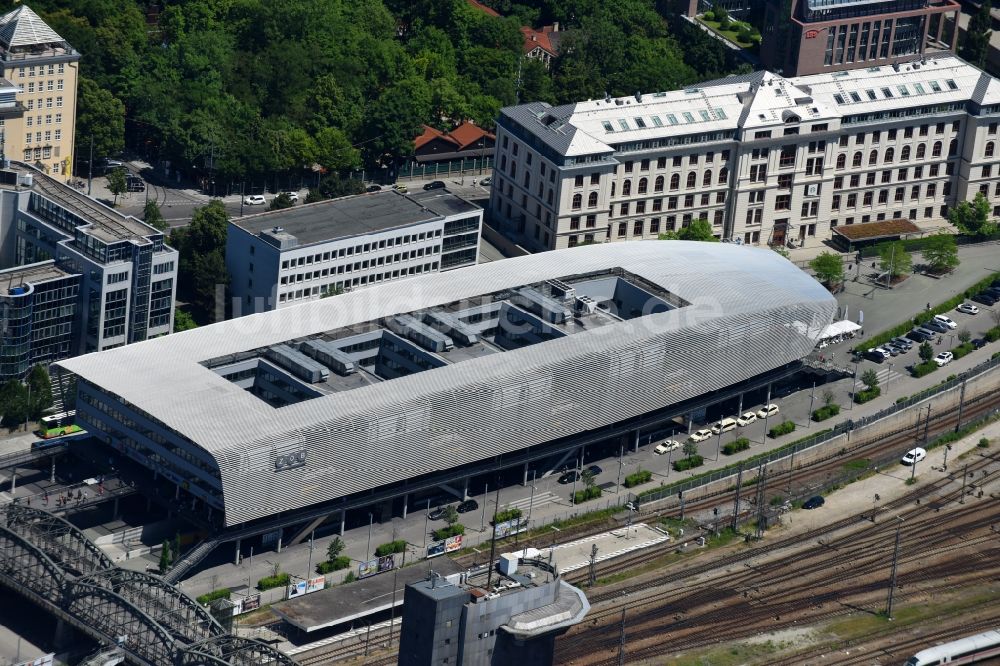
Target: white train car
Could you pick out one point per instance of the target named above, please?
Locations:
(967, 650)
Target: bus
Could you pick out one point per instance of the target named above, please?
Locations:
(58, 431)
(56, 419)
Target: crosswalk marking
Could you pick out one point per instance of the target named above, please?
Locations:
(885, 375)
(539, 500)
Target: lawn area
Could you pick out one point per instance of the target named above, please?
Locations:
(729, 34)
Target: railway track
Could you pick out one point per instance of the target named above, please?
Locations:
(850, 569)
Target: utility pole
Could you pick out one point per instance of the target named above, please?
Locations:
(621, 642)
(854, 385)
(482, 520)
(947, 448)
(368, 550)
(90, 165)
(761, 517)
(392, 607)
(736, 503)
(892, 578)
(427, 516)
(961, 404)
(892, 257)
(927, 425)
(531, 501)
(309, 568)
(812, 397)
(965, 474)
(593, 565)
(621, 463)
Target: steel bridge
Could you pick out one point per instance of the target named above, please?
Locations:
(50, 562)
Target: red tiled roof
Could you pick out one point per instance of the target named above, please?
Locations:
(483, 8)
(429, 135)
(538, 38)
(467, 134)
(880, 229)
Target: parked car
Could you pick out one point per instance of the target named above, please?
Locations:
(373, 188)
(913, 456)
(438, 513)
(920, 335)
(467, 506)
(254, 200)
(701, 435)
(595, 469)
(941, 319)
(725, 425)
(814, 502)
(294, 196)
(666, 446)
(486, 182)
(399, 187)
(895, 349)
(902, 342)
(876, 354)
(767, 411)
(936, 326)
(979, 343)
(985, 298)
(944, 358)
(968, 308)
(745, 419)
(569, 477)
(435, 185)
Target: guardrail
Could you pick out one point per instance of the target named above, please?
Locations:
(821, 438)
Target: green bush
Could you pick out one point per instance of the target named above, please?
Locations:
(397, 546)
(209, 597)
(269, 582)
(825, 412)
(581, 496)
(925, 368)
(741, 444)
(962, 350)
(337, 564)
(350, 577)
(508, 514)
(984, 443)
(862, 397)
(745, 35)
(900, 401)
(638, 478)
(688, 463)
(781, 429)
(449, 531)
(993, 334)
(709, 15)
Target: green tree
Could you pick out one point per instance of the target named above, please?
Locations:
(101, 117)
(165, 556)
(281, 201)
(869, 378)
(926, 351)
(973, 218)
(450, 515)
(183, 321)
(829, 268)
(335, 548)
(976, 44)
(964, 336)
(587, 476)
(14, 403)
(202, 248)
(828, 397)
(40, 390)
(152, 216)
(941, 252)
(116, 183)
(698, 230)
(895, 260)
(690, 449)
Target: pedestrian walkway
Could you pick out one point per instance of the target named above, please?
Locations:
(576, 554)
(886, 375)
(540, 499)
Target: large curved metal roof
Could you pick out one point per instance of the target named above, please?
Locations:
(749, 311)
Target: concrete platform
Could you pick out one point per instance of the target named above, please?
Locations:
(576, 554)
(345, 603)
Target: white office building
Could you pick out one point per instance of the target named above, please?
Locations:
(302, 253)
(764, 159)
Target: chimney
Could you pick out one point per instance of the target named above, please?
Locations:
(555, 27)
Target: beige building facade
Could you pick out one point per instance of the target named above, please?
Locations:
(764, 159)
(37, 93)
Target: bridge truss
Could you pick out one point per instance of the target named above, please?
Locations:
(52, 563)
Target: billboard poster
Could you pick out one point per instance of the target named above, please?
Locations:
(510, 527)
(435, 549)
(386, 563)
(368, 568)
(452, 544)
(251, 603)
(315, 584)
(296, 589)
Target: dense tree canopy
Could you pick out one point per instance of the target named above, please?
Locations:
(202, 248)
(259, 87)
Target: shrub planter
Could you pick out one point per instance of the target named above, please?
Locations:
(688, 463)
(638, 478)
(741, 444)
(825, 412)
(781, 429)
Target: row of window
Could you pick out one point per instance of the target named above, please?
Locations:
(43, 86)
(310, 292)
(898, 195)
(357, 249)
(904, 155)
(902, 175)
(672, 203)
(891, 135)
(358, 265)
(41, 69)
(895, 215)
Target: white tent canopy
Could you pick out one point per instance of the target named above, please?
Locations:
(839, 328)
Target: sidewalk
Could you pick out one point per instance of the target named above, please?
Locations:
(815, 246)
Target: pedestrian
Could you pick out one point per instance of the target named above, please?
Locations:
(928, 307)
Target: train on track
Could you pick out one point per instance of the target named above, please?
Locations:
(967, 650)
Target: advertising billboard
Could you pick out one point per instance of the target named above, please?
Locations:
(452, 544)
(296, 589)
(315, 584)
(510, 527)
(368, 568)
(435, 549)
(386, 563)
(251, 603)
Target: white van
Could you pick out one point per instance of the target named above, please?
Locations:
(725, 425)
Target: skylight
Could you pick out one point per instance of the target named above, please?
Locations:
(887, 92)
(871, 94)
(688, 117)
(704, 115)
(935, 86)
(951, 84)
(657, 121)
(672, 119)
(640, 123)
(623, 124)
(720, 114)
(608, 127)
(839, 99)
(903, 90)
(855, 96)
(919, 87)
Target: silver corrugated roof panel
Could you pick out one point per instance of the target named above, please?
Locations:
(749, 311)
